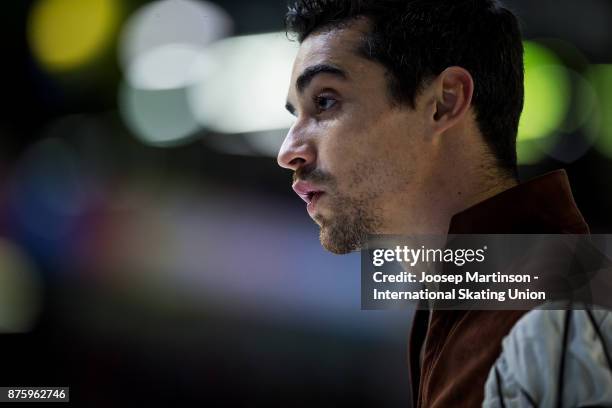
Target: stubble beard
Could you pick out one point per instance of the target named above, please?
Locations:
(350, 224)
(351, 220)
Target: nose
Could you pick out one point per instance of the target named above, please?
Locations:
(296, 152)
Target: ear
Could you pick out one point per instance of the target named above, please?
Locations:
(453, 90)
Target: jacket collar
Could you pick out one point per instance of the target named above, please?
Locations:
(542, 205)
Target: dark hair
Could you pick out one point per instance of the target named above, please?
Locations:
(417, 39)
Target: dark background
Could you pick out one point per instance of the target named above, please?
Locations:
(139, 272)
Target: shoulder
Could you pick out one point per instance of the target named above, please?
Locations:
(547, 349)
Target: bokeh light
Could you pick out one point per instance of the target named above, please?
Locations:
(161, 40)
(547, 92)
(20, 290)
(582, 100)
(165, 67)
(65, 34)
(243, 84)
(160, 45)
(157, 117)
(569, 143)
(601, 78)
(49, 193)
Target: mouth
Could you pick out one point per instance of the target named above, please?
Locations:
(309, 193)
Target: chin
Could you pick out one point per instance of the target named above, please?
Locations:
(346, 228)
(319, 220)
(335, 249)
(336, 242)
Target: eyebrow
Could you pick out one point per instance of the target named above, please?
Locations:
(309, 74)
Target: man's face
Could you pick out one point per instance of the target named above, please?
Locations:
(357, 159)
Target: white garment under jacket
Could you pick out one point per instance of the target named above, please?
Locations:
(527, 373)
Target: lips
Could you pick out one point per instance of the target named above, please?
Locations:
(309, 193)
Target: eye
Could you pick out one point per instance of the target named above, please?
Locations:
(324, 103)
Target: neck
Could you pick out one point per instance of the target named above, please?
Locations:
(449, 198)
(480, 189)
(487, 192)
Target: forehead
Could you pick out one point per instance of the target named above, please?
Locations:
(330, 43)
(336, 46)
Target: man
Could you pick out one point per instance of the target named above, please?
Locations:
(406, 121)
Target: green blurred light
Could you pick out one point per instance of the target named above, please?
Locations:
(20, 290)
(600, 77)
(547, 93)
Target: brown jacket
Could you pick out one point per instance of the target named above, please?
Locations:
(462, 345)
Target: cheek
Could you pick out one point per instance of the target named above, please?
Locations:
(359, 160)
(376, 152)
(401, 151)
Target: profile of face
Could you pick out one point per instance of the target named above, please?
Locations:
(363, 164)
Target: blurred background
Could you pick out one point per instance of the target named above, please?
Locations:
(151, 251)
